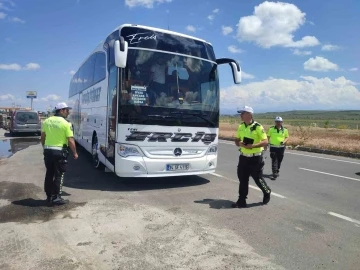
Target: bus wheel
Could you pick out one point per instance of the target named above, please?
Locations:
(95, 158)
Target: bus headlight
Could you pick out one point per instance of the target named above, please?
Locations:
(212, 150)
(129, 150)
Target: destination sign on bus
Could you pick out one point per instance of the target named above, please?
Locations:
(138, 94)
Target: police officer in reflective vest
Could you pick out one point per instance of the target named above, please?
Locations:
(251, 138)
(278, 136)
(56, 138)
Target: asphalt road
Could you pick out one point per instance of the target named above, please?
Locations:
(314, 221)
(311, 222)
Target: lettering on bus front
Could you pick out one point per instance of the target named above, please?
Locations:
(138, 37)
(92, 95)
(173, 137)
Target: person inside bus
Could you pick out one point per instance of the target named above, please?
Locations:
(157, 81)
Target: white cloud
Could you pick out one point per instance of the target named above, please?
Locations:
(305, 93)
(17, 67)
(245, 75)
(11, 3)
(3, 7)
(72, 72)
(320, 64)
(32, 66)
(330, 47)
(226, 30)
(191, 28)
(353, 69)
(16, 19)
(274, 24)
(8, 40)
(212, 16)
(234, 49)
(10, 67)
(298, 52)
(6, 97)
(51, 97)
(144, 3)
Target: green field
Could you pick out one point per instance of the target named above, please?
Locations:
(329, 119)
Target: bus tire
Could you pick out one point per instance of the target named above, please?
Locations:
(95, 158)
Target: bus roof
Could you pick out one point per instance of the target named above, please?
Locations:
(159, 30)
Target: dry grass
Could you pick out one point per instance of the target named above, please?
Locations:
(323, 138)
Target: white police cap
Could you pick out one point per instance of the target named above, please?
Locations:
(62, 105)
(246, 109)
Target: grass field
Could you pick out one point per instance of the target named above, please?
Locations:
(304, 134)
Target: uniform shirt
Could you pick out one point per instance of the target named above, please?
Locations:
(253, 131)
(57, 131)
(277, 135)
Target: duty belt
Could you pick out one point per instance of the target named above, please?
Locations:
(277, 146)
(53, 147)
(251, 155)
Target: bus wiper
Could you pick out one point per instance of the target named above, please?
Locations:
(202, 116)
(160, 116)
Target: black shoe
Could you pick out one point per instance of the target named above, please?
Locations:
(266, 197)
(65, 194)
(239, 204)
(57, 200)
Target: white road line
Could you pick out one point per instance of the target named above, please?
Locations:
(298, 154)
(344, 217)
(346, 161)
(272, 193)
(251, 186)
(355, 179)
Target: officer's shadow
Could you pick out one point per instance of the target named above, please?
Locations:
(224, 204)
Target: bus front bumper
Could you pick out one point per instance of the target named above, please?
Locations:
(136, 166)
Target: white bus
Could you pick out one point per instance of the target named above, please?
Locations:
(146, 103)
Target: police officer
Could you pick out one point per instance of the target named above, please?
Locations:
(278, 136)
(56, 138)
(251, 138)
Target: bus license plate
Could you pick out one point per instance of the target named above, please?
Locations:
(177, 167)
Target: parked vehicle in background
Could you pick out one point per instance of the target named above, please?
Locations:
(25, 121)
(2, 120)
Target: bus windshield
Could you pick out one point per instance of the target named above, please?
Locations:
(158, 87)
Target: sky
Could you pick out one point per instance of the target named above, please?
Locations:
(294, 55)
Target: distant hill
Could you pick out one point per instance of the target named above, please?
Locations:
(312, 114)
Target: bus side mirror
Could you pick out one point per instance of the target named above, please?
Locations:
(235, 68)
(120, 52)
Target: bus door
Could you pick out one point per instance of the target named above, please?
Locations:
(111, 115)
